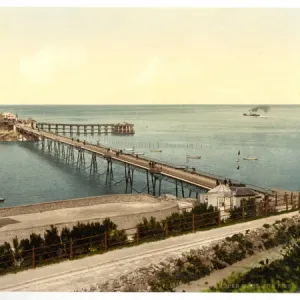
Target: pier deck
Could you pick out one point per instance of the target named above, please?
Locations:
(190, 178)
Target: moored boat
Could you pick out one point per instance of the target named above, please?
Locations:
(250, 158)
(193, 157)
(2, 200)
(155, 150)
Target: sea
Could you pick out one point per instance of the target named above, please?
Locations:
(215, 132)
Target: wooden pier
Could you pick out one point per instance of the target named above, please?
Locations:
(68, 149)
(120, 128)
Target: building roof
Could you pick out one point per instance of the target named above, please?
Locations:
(222, 190)
(242, 191)
(9, 115)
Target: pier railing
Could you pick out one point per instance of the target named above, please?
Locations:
(176, 167)
(203, 174)
(36, 251)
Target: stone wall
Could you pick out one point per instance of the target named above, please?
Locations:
(79, 202)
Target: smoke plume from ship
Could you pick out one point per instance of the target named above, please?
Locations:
(265, 108)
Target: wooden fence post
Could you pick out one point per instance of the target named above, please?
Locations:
(243, 210)
(193, 223)
(286, 201)
(166, 230)
(105, 241)
(71, 248)
(220, 220)
(33, 258)
(298, 200)
(292, 199)
(275, 199)
(137, 235)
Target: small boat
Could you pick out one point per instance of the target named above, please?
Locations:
(155, 150)
(138, 153)
(2, 200)
(193, 157)
(250, 158)
(251, 114)
(129, 150)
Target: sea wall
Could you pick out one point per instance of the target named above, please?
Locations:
(124, 221)
(78, 202)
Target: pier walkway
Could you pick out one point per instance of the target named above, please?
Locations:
(188, 177)
(119, 128)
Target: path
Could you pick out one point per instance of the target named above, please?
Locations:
(77, 274)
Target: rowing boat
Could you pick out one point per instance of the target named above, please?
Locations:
(155, 150)
(193, 157)
(250, 158)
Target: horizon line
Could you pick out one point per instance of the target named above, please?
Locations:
(156, 104)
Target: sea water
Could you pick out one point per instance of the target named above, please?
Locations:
(216, 133)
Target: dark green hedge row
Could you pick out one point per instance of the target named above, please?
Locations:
(84, 238)
(200, 216)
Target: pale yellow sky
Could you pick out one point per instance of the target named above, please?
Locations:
(149, 56)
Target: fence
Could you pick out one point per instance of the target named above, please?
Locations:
(36, 251)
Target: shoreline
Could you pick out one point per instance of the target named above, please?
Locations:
(9, 136)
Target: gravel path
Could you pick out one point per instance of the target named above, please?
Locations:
(74, 275)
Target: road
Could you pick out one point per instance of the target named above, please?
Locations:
(74, 275)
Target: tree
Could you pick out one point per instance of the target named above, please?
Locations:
(52, 242)
(150, 228)
(6, 257)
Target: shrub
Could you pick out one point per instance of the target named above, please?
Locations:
(236, 213)
(149, 229)
(278, 276)
(282, 237)
(52, 242)
(65, 237)
(6, 257)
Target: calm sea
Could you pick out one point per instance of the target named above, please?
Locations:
(216, 133)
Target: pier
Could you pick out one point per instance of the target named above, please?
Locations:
(74, 151)
(119, 128)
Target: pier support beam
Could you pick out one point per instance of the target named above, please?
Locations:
(129, 178)
(109, 171)
(80, 159)
(94, 165)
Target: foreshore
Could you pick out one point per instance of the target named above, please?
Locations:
(9, 136)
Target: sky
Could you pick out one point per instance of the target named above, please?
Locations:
(149, 56)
